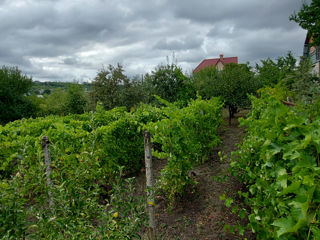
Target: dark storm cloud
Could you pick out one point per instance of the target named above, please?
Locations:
(67, 40)
(245, 14)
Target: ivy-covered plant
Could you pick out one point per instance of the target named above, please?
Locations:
(185, 135)
(278, 162)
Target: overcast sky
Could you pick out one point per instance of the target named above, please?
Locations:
(66, 40)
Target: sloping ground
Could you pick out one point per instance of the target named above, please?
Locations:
(202, 215)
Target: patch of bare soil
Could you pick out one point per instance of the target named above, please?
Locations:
(201, 214)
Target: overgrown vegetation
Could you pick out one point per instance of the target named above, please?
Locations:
(87, 150)
(88, 193)
(232, 84)
(186, 136)
(13, 87)
(96, 143)
(278, 160)
(308, 18)
(279, 163)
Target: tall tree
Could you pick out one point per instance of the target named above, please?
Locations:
(205, 81)
(134, 92)
(232, 84)
(235, 82)
(75, 99)
(168, 82)
(107, 86)
(304, 84)
(13, 88)
(270, 72)
(309, 18)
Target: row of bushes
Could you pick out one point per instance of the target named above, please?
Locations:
(87, 151)
(278, 162)
(186, 135)
(85, 173)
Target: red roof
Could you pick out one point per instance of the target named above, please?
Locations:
(213, 62)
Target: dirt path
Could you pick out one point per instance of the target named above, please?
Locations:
(202, 215)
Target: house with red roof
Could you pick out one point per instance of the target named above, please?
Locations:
(219, 63)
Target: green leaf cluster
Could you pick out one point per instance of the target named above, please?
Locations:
(232, 84)
(185, 135)
(309, 18)
(86, 153)
(278, 162)
(13, 88)
(169, 83)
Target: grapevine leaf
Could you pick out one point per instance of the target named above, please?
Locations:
(242, 213)
(291, 189)
(286, 225)
(299, 211)
(316, 232)
(222, 197)
(306, 141)
(228, 202)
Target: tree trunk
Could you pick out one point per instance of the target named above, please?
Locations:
(232, 111)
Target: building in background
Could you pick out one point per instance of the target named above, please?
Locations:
(219, 63)
(313, 52)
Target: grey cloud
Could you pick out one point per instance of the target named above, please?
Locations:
(70, 61)
(249, 14)
(58, 39)
(188, 42)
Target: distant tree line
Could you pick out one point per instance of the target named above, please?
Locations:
(112, 88)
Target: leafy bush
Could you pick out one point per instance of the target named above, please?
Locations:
(232, 84)
(279, 163)
(185, 135)
(168, 82)
(13, 102)
(86, 152)
(77, 212)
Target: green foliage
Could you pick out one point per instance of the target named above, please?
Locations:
(86, 152)
(205, 82)
(185, 135)
(236, 83)
(232, 84)
(134, 93)
(106, 86)
(308, 18)
(270, 72)
(12, 211)
(279, 163)
(13, 86)
(168, 82)
(45, 88)
(114, 89)
(120, 143)
(73, 135)
(76, 101)
(62, 101)
(90, 200)
(304, 85)
(78, 212)
(52, 104)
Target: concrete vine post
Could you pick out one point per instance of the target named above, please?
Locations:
(150, 193)
(47, 161)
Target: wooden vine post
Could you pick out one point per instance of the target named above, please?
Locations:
(150, 193)
(47, 161)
